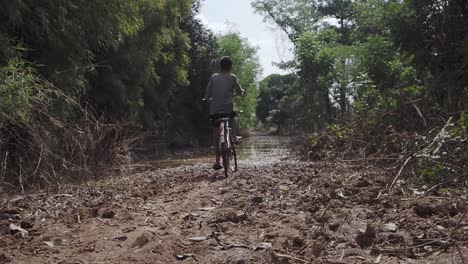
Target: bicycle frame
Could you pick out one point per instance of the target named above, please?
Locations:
(226, 146)
(225, 133)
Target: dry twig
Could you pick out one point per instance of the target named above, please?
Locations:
(399, 173)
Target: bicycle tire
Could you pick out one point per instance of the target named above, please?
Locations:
(233, 159)
(226, 160)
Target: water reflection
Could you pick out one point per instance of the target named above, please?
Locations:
(260, 150)
(256, 150)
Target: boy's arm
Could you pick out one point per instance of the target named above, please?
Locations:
(208, 90)
(238, 87)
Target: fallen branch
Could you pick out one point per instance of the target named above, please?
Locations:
(399, 173)
(291, 258)
(457, 226)
(461, 253)
(225, 246)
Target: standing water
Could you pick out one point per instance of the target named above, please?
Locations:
(255, 150)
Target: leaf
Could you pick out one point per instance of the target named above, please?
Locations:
(390, 227)
(207, 209)
(197, 239)
(49, 243)
(263, 246)
(185, 256)
(340, 194)
(377, 260)
(16, 228)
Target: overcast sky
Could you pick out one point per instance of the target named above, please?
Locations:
(221, 15)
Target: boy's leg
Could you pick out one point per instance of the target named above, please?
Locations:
(216, 140)
(234, 128)
(216, 145)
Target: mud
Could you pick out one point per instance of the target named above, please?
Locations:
(283, 211)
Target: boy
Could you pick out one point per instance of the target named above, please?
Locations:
(220, 92)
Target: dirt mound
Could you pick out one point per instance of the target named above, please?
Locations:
(286, 213)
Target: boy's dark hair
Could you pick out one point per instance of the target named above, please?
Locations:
(226, 63)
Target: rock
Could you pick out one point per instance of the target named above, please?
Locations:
(396, 239)
(93, 212)
(108, 214)
(257, 200)
(370, 232)
(361, 182)
(334, 226)
(140, 241)
(365, 239)
(423, 210)
(4, 258)
(121, 238)
(238, 260)
(298, 242)
(26, 225)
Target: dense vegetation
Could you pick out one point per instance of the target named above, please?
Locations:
(78, 78)
(383, 75)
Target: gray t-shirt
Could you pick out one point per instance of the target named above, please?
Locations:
(220, 90)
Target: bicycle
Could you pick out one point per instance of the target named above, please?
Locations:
(226, 145)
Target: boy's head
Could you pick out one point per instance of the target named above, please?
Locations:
(225, 64)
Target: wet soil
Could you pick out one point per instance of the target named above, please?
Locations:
(275, 210)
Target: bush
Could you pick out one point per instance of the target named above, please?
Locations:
(41, 145)
(20, 88)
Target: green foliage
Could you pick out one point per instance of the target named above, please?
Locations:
(461, 128)
(189, 114)
(247, 68)
(294, 17)
(432, 174)
(20, 88)
(277, 103)
(127, 58)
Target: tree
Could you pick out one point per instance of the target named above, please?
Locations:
(276, 102)
(433, 34)
(294, 17)
(190, 121)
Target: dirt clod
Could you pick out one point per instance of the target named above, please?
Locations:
(424, 210)
(108, 214)
(140, 241)
(257, 199)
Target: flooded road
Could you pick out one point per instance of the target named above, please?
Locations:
(255, 150)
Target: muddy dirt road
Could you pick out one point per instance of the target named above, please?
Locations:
(275, 210)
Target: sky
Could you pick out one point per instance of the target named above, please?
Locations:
(223, 15)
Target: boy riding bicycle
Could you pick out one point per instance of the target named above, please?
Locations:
(220, 91)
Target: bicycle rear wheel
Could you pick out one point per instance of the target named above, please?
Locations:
(233, 159)
(226, 160)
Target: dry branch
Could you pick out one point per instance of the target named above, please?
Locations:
(399, 172)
